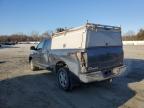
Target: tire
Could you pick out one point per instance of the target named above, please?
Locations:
(63, 78)
(32, 67)
(108, 81)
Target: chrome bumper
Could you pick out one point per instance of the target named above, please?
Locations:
(99, 76)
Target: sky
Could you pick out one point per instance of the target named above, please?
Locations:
(27, 16)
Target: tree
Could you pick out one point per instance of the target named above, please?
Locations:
(60, 29)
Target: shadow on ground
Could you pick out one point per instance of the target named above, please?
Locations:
(41, 91)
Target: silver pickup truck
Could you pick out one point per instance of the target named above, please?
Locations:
(88, 53)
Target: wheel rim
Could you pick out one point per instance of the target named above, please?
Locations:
(62, 78)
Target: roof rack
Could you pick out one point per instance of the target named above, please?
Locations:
(102, 26)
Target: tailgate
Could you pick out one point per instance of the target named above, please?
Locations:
(100, 58)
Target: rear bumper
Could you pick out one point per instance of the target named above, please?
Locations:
(99, 76)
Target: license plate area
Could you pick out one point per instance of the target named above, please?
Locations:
(107, 73)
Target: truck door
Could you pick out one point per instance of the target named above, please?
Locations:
(37, 53)
(45, 53)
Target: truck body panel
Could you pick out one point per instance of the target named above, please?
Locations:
(72, 39)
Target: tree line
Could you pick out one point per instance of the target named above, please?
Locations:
(20, 37)
(36, 37)
(132, 36)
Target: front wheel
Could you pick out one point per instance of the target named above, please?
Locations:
(63, 78)
(32, 67)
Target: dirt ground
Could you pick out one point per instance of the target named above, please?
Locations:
(22, 88)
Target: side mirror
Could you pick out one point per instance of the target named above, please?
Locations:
(32, 48)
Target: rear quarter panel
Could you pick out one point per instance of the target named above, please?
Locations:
(71, 60)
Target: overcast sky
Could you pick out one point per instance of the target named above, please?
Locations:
(43, 15)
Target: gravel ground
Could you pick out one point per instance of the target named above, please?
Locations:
(22, 88)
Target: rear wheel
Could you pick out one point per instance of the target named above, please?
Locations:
(63, 78)
(108, 81)
(32, 67)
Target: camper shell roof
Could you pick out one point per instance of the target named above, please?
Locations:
(88, 26)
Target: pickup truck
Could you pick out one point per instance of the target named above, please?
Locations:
(88, 53)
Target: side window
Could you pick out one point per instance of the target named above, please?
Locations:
(47, 44)
(40, 45)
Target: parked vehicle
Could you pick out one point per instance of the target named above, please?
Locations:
(8, 43)
(86, 54)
